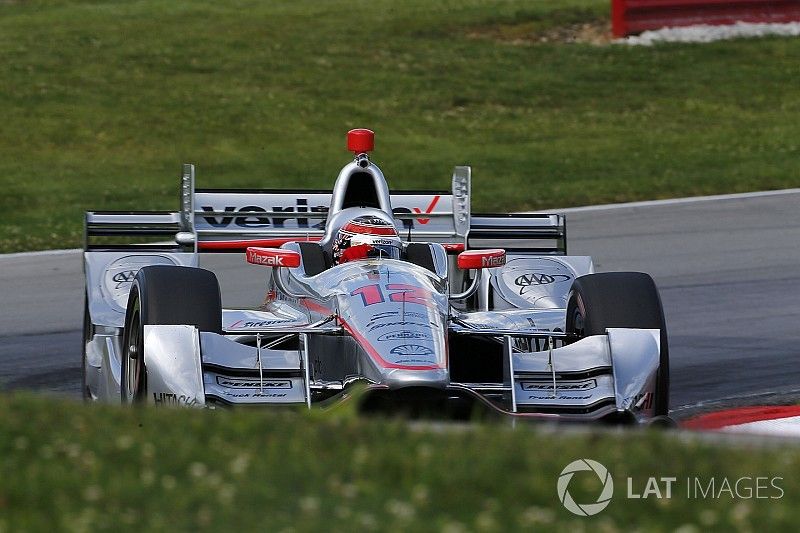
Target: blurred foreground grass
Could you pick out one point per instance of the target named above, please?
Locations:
(70, 467)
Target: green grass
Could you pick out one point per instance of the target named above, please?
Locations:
(102, 102)
(69, 467)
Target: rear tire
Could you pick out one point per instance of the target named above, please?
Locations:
(621, 300)
(164, 295)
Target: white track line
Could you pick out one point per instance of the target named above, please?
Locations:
(602, 207)
(41, 253)
(676, 201)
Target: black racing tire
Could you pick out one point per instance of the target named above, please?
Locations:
(621, 300)
(164, 295)
(88, 333)
(662, 422)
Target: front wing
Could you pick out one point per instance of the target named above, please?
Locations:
(590, 378)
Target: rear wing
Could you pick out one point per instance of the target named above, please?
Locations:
(534, 234)
(229, 219)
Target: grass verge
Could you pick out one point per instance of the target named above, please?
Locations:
(103, 100)
(70, 467)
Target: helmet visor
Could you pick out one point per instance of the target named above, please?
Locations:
(383, 251)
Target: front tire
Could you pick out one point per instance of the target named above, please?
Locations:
(621, 300)
(164, 295)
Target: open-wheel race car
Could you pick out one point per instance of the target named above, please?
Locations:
(428, 307)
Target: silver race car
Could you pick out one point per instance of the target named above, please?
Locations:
(430, 308)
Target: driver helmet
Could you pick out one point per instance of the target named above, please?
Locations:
(366, 237)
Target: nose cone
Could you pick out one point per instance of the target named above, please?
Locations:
(438, 378)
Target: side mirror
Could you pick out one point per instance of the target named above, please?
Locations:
(273, 257)
(478, 259)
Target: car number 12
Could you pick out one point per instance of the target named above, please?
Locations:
(398, 292)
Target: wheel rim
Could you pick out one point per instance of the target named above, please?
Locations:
(87, 336)
(579, 324)
(133, 359)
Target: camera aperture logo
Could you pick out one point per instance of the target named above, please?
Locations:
(585, 509)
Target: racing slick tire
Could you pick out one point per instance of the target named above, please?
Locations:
(164, 295)
(621, 300)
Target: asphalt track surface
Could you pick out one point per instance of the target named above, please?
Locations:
(728, 270)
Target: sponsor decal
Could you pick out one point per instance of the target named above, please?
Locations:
(242, 324)
(382, 316)
(407, 223)
(643, 401)
(404, 334)
(534, 279)
(232, 215)
(252, 383)
(411, 350)
(429, 209)
(255, 394)
(126, 276)
(560, 396)
(391, 314)
(269, 260)
(401, 323)
(119, 275)
(169, 398)
(588, 384)
(413, 362)
(493, 261)
(257, 221)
